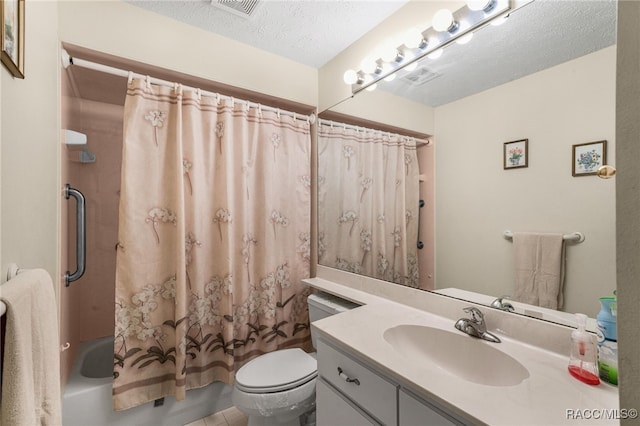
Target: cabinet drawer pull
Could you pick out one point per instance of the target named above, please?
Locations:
(347, 378)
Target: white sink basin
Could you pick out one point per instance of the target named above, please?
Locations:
(466, 357)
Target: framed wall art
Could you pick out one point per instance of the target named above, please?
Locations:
(516, 154)
(12, 49)
(588, 158)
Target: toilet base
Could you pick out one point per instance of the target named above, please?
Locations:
(306, 419)
(287, 408)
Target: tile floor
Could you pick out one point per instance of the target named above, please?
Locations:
(229, 417)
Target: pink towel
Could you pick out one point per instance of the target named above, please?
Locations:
(539, 269)
(31, 370)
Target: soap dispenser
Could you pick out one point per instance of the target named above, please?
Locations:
(583, 364)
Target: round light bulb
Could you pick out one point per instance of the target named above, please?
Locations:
(478, 4)
(368, 79)
(412, 38)
(368, 65)
(350, 77)
(435, 54)
(411, 67)
(387, 69)
(442, 20)
(389, 52)
(465, 38)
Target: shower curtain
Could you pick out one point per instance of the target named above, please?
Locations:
(214, 228)
(368, 196)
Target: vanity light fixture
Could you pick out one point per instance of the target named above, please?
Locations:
(411, 67)
(413, 39)
(352, 77)
(484, 5)
(443, 21)
(385, 70)
(465, 38)
(435, 54)
(499, 21)
(447, 27)
(369, 65)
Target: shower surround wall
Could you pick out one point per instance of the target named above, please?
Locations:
(87, 306)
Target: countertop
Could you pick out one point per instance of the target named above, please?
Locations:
(549, 396)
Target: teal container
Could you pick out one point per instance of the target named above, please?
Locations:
(607, 340)
(606, 318)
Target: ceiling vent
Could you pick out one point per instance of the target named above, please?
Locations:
(420, 76)
(243, 8)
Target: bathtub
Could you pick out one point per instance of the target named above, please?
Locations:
(87, 396)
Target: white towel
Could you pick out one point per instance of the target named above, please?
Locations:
(31, 369)
(539, 269)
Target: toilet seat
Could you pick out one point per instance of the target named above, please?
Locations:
(277, 371)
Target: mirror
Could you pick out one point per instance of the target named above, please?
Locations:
(546, 75)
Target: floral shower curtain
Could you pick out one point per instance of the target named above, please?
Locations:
(368, 197)
(213, 240)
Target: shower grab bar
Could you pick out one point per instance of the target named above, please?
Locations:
(81, 234)
(420, 244)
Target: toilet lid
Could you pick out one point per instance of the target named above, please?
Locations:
(277, 371)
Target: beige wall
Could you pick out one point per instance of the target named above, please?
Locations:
(30, 187)
(384, 107)
(124, 30)
(477, 200)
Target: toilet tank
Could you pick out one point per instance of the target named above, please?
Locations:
(322, 305)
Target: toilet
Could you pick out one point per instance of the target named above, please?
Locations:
(279, 388)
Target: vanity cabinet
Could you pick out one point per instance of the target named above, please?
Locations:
(350, 392)
(337, 409)
(369, 391)
(413, 412)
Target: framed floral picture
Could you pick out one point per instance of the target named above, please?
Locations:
(588, 158)
(516, 154)
(12, 41)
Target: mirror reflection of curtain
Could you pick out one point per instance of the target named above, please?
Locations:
(368, 195)
(213, 241)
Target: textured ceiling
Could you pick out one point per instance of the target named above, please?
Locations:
(311, 32)
(536, 36)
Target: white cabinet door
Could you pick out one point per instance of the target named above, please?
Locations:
(332, 409)
(362, 385)
(416, 413)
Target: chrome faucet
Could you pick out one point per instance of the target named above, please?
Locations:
(475, 326)
(504, 306)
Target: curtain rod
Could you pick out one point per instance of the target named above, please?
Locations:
(325, 122)
(68, 60)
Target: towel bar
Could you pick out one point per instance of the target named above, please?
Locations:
(574, 237)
